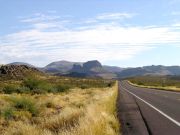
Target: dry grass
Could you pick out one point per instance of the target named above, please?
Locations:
(100, 117)
(79, 112)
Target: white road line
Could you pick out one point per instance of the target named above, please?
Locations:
(165, 115)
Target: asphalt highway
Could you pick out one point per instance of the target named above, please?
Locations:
(160, 109)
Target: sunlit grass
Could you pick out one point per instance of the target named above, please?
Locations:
(79, 111)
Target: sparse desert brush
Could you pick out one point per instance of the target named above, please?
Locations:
(50, 84)
(99, 117)
(62, 88)
(24, 104)
(31, 83)
(65, 108)
(83, 86)
(20, 128)
(68, 118)
(10, 89)
(7, 113)
(158, 82)
(49, 104)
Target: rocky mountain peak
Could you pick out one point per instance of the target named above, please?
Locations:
(92, 64)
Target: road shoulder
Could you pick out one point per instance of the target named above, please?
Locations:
(129, 114)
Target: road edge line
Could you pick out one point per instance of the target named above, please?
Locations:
(165, 115)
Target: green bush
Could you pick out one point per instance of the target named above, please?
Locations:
(84, 86)
(62, 88)
(14, 89)
(31, 83)
(38, 86)
(110, 84)
(25, 104)
(140, 83)
(49, 105)
(38, 91)
(23, 90)
(35, 85)
(45, 86)
(9, 89)
(8, 113)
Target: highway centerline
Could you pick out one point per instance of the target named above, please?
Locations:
(162, 113)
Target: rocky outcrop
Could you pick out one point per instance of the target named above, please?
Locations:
(90, 69)
(87, 67)
(92, 64)
(16, 71)
(21, 63)
(77, 68)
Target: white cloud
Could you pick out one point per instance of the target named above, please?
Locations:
(39, 17)
(176, 25)
(114, 16)
(103, 41)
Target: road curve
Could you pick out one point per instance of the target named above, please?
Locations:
(159, 109)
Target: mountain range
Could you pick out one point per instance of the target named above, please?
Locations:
(95, 69)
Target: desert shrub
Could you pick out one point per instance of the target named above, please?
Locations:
(31, 83)
(38, 91)
(140, 83)
(68, 118)
(23, 90)
(38, 86)
(157, 81)
(109, 84)
(77, 82)
(83, 86)
(7, 113)
(46, 87)
(10, 89)
(62, 88)
(49, 104)
(15, 89)
(25, 104)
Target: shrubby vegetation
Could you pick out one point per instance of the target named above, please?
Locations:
(7, 113)
(19, 106)
(10, 89)
(161, 82)
(24, 104)
(78, 112)
(52, 105)
(51, 84)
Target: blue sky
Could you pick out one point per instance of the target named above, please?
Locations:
(123, 33)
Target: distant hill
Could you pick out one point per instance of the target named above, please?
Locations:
(59, 67)
(90, 69)
(17, 71)
(94, 68)
(113, 69)
(150, 70)
(21, 63)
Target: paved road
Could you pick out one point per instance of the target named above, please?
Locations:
(159, 109)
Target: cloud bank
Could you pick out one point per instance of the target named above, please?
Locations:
(51, 38)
